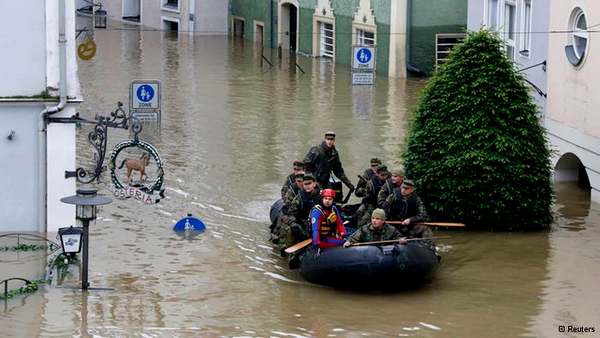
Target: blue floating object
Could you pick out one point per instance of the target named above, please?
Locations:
(189, 224)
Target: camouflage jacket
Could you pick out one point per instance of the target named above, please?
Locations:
(399, 208)
(366, 233)
(384, 192)
(371, 191)
(321, 161)
(299, 208)
(289, 184)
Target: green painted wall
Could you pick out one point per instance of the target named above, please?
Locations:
(343, 9)
(258, 10)
(449, 16)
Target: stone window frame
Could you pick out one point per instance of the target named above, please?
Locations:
(164, 7)
(576, 56)
(526, 28)
(323, 14)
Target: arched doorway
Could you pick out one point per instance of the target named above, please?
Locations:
(288, 24)
(570, 169)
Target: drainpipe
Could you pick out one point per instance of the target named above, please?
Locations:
(42, 152)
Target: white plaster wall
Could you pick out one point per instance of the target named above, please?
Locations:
(573, 97)
(211, 17)
(22, 42)
(397, 57)
(61, 154)
(19, 164)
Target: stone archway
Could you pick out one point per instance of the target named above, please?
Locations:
(288, 18)
(569, 168)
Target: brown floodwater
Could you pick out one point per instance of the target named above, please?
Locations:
(230, 130)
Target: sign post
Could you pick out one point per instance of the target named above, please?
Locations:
(363, 65)
(144, 100)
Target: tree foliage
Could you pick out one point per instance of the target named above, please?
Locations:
(475, 145)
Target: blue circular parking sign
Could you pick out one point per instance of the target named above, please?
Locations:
(145, 93)
(363, 55)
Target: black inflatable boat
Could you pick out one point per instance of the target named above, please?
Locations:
(388, 267)
(373, 267)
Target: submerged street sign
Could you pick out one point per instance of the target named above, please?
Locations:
(144, 100)
(363, 65)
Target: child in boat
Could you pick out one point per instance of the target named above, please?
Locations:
(326, 222)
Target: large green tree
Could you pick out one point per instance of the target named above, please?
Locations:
(475, 145)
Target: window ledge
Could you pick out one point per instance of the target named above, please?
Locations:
(170, 8)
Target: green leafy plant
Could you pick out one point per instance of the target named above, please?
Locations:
(61, 263)
(28, 288)
(475, 145)
(23, 247)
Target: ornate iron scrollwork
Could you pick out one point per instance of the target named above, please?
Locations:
(98, 138)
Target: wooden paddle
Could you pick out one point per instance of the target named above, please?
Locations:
(398, 241)
(298, 246)
(432, 224)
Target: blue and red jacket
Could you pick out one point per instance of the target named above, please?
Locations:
(327, 229)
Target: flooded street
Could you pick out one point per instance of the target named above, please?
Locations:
(230, 131)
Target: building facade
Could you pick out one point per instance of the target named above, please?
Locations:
(207, 17)
(39, 79)
(571, 117)
(329, 28)
(519, 23)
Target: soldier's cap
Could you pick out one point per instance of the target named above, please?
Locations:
(330, 134)
(299, 177)
(382, 169)
(397, 172)
(408, 182)
(298, 164)
(309, 177)
(375, 160)
(378, 213)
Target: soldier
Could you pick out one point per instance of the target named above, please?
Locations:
(369, 195)
(289, 183)
(394, 182)
(287, 200)
(296, 226)
(326, 222)
(376, 231)
(407, 207)
(367, 175)
(323, 159)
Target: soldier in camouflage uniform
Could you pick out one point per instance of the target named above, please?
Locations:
(405, 206)
(369, 196)
(324, 159)
(290, 180)
(376, 231)
(291, 193)
(295, 226)
(395, 181)
(368, 174)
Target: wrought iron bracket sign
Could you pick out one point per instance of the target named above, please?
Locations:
(98, 138)
(146, 190)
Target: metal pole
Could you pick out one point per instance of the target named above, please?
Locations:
(84, 273)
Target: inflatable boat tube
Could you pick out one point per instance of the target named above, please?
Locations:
(389, 267)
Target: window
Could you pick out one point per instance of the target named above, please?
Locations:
(170, 5)
(492, 19)
(526, 29)
(327, 40)
(578, 38)
(509, 28)
(365, 38)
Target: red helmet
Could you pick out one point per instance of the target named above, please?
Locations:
(328, 193)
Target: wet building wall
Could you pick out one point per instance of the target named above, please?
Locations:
(572, 108)
(448, 16)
